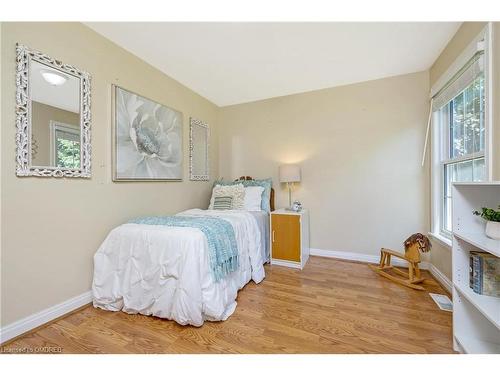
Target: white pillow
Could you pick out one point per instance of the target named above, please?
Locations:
(237, 192)
(253, 198)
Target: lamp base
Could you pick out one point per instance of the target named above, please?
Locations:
(296, 206)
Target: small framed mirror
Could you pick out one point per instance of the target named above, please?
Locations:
(53, 117)
(199, 134)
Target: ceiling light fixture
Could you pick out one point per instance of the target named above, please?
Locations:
(53, 78)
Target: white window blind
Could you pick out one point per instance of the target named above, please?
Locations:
(460, 81)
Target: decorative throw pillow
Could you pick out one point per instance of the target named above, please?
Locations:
(236, 192)
(253, 198)
(265, 183)
(223, 203)
(266, 194)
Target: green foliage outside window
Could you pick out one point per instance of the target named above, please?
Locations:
(467, 125)
(68, 153)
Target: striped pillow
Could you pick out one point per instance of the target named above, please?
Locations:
(237, 192)
(223, 203)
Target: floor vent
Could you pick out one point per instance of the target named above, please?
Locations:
(443, 302)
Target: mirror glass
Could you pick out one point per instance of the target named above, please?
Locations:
(199, 150)
(55, 118)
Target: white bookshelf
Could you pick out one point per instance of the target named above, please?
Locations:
(470, 345)
(480, 241)
(476, 318)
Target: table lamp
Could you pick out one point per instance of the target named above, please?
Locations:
(289, 173)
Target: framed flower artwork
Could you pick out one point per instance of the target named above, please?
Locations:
(147, 139)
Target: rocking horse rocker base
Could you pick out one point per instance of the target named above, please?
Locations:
(411, 279)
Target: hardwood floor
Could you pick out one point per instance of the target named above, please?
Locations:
(331, 306)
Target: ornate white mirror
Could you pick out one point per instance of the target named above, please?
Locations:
(198, 150)
(53, 117)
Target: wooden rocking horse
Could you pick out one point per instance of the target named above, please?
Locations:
(414, 244)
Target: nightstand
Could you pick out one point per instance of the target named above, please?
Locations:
(289, 238)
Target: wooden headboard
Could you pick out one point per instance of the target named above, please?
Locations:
(271, 198)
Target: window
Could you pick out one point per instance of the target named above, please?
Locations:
(460, 136)
(462, 122)
(65, 145)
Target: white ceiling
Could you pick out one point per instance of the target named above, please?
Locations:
(231, 63)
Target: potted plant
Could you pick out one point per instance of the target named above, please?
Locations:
(492, 218)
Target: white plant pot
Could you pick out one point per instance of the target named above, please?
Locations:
(493, 230)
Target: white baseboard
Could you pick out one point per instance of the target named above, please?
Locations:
(359, 257)
(36, 320)
(441, 277)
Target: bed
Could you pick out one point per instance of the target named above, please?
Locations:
(165, 271)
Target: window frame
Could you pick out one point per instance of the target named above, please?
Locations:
(440, 137)
(57, 125)
(446, 124)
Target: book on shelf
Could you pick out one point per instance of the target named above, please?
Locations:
(484, 273)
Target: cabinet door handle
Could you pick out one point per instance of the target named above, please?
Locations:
(273, 235)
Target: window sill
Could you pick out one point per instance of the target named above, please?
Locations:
(446, 242)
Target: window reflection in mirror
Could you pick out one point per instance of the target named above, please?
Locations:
(55, 118)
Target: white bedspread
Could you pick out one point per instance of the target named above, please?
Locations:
(165, 271)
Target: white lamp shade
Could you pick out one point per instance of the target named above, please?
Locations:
(289, 173)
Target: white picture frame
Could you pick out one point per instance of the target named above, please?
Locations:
(199, 149)
(24, 58)
(147, 139)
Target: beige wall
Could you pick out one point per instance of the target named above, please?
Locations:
(359, 147)
(441, 255)
(42, 115)
(46, 258)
